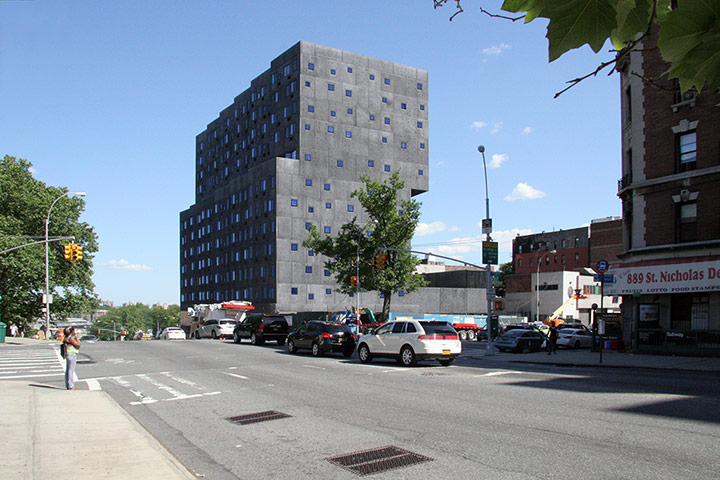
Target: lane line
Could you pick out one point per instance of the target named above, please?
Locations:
(236, 375)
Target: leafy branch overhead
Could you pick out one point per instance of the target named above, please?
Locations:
(689, 37)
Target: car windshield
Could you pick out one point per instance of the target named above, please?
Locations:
(227, 322)
(336, 328)
(516, 332)
(438, 328)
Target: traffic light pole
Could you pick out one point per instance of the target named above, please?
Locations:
(489, 292)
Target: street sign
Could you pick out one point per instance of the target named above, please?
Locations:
(602, 266)
(604, 277)
(486, 225)
(490, 253)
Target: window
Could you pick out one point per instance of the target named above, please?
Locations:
(403, 145)
(372, 77)
(311, 108)
(387, 168)
(308, 269)
(332, 113)
(328, 291)
(401, 293)
(419, 124)
(307, 84)
(687, 151)
(372, 117)
(331, 129)
(387, 120)
(422, 146)
(326, 272)
(307, 225)
(328, 205)
(326, 187)
(403, 106)
(293, 291)
(326, 229)
(687, 222)
(311, 296)
(384, 139)
(387, 81)
(308, 157)
(311, 66)
(332, 71)
(308, 182)
(348, 134)
(422, 107)
(348, 93)
(384, 99)
(339, 163)
(349, 69)
(311, 209)
(419, 86)
(331, 87)
(351, 208)
(420, 172)
(294, 247)
(349, 111)
(293, 202)
(371, 163)
(311, 253)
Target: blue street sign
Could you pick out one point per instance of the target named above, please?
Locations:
(602, 266)
(606, 277)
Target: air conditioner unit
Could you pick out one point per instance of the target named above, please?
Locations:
(689, 96)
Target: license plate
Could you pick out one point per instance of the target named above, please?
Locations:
(341, 340)
(446, 352)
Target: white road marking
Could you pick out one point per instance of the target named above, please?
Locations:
(236, 375)
(93, 384)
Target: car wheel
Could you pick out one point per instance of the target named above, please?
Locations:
(213, 335)
(291, 346)
(281, 341)
(471, 335)
(448, 362)
(526, 349)
(462, 334)
(236, 337)
(364, 353)
(577, 344)
(197, 335)
(254, 339)
(316, 349)
(348, 352)
(407, 356)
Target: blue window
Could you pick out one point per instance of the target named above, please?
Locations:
(307, 84)
(326, 187)
(348, 93)
(387, 81)
(371, 163)
(348, 134)
(372, 117)
(420, 172)
(331, 129)
(403, 106)
(339, 163)
(401, 293)
(311, 66)
(308, 182)
(351, 295)
(328, 205)
(308, 157)
(331, 87)
(419, 86)
(294, 247)
(311, 209)
(422, 145)
(308, 269)
(307, 225)
(293, 202)
(332, 71)
(372, 77)
(351, 208)
(307, 126)
(387, 168)
(349, 69)
(403, 144)
(384, 139)
(384, 99)
(332, 113)
(311, 108)
(311, 253)
(328, 291)
(326, 229)
(293, 291)
(349, 111)
(419, 124)
(311, 296)
(387, 120)
(326, 272)
(422, 107)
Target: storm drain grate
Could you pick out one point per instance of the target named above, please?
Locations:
(257, 417)
(377, 460)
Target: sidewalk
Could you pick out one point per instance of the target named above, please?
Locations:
(46, 432)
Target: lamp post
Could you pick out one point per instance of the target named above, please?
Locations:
(47, 269)
(537, 287)
(487, 229)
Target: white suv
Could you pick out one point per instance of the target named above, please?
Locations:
(216, 328)
(411, 340)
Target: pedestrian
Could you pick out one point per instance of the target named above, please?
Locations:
(13, 330)
(72, 347)
(21, 330)
(552, 339)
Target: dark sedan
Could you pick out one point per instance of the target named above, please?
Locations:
(322, 337)
(520, 340)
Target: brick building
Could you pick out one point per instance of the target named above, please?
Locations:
(670, 192)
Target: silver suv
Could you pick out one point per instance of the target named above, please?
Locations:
(222, 328)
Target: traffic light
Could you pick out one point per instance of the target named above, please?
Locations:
(380, 262)
(353, 281)
(68, 251)
(499, 304)
(78, 253)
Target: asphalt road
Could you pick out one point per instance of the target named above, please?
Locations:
(482, 418)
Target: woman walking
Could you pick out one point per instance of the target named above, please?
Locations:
(72, 347)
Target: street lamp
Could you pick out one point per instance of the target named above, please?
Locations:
(47, 269)
(537, 286)
(487, 229)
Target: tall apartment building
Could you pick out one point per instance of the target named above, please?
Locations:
(286, 153)
(670, 192)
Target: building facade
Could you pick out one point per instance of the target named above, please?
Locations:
(670, 191)
(287, 153)
(551, 251)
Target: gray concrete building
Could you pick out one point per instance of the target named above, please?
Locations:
(286, 153)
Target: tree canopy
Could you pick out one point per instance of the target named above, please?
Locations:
(389, 231)
(689, 37)
(136, 317)
(24, 205)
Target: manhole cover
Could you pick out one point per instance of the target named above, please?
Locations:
(257, 417)
(377, 460)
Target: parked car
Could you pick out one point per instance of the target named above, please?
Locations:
(563, 326)
(542, 329)
(140, 335)
(89, 338)
(322, 337)
(520, 340)
(409, 341)
(260, 328)
(574, 338)
(172, 333)
(216, 328)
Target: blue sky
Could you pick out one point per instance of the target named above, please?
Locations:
(107, 97)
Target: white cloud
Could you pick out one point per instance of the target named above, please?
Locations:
(423, 229)
(477, 124)
(455, 228)
(523, 191)
(527, 130)
(125, 265)
(461, 245)
(440, 164)
(32, 171)
(496, 126)
(497, 160)
(495, 49)
(505, 237)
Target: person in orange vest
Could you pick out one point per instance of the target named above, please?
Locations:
(72, 347)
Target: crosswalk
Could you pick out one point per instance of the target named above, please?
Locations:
(36, 361)
(147, 388)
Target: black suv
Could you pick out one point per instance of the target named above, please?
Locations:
(322, 337)
(259, 328)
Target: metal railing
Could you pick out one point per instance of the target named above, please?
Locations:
(683, 342)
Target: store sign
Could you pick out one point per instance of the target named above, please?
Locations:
(663, 278)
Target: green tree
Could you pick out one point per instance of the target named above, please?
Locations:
(136, 317)
(24, 205)
(689, 31)
(393, 222)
